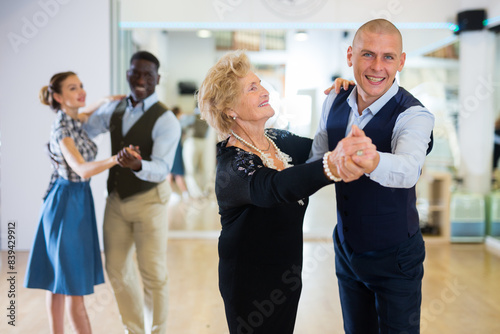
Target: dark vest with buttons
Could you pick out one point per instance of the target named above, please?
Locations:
(370, 216)
(121, 179)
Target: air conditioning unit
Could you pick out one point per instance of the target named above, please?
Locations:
(467, 217)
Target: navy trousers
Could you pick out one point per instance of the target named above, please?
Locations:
(381, 291)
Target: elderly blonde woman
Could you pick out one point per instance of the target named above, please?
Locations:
(262, 189)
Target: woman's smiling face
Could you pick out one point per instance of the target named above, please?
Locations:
(72, 93)
(253, 104)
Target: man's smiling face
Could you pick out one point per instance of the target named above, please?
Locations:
(375, 58)
(142, 78)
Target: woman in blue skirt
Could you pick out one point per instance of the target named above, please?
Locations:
(65, 258)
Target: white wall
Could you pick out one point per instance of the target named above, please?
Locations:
(284, 11)
(310, 67)
(48, 36)
(190, 58)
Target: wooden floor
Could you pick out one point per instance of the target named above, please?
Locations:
(461, 292)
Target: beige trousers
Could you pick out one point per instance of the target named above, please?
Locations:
(138, 225)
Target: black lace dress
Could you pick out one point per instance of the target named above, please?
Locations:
(260, 245)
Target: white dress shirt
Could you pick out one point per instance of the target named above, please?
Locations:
(166, 134)
(410, 138)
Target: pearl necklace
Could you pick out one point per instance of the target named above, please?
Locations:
(266, 157)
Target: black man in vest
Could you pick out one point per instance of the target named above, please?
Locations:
(380, 135)
(135, 219)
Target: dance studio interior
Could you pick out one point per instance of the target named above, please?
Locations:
(297, 48)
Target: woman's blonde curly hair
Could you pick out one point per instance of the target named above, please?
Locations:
(221, 90)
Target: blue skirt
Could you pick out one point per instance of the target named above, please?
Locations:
(65, 257)
(178, 165)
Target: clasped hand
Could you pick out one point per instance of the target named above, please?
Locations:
(354, 156)
(130, 157)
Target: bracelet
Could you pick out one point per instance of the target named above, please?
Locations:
(327, 170)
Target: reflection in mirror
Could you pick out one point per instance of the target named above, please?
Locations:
(296, 67)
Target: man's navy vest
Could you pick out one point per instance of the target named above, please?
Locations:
(370, 216)
(123, 180)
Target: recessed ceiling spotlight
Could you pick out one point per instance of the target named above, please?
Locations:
(301, 36)
(204, 33)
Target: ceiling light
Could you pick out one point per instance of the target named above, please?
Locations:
(204, 33)
(301, 36)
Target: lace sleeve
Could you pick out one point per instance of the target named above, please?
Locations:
(245, 163)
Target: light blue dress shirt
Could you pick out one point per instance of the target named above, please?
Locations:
(410, 138)
(166, 134)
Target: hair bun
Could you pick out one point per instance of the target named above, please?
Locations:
(44, 95)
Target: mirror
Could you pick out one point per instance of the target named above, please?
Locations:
(296, 65)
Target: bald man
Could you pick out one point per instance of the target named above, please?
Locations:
(380, 135)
